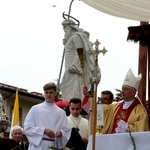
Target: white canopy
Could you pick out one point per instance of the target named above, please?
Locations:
(138, 10)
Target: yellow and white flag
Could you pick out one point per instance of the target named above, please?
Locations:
(15, 113)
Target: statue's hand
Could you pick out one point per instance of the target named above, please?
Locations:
(73, 69)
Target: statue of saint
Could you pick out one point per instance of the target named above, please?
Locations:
(72, 81)
(4, 122)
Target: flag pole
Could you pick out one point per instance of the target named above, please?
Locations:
(15, 113)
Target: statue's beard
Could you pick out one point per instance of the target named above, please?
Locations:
(67, 36)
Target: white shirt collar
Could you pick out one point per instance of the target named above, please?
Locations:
(126, 104)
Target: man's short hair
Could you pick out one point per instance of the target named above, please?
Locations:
(50, 86)
(108, 92)
(75, 100)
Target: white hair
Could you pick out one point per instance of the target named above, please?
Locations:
(14, 128)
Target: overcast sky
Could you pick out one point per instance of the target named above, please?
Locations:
(31, 45)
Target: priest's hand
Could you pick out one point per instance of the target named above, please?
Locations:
(122, 127)
(85, 91)
(58, 134)
(49, 133)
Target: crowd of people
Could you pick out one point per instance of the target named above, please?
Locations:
(48, 126)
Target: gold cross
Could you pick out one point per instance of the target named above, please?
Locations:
(95, 54)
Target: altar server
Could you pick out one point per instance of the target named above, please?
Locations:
(46, 124)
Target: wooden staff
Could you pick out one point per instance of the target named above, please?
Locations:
(80, 54)
(94, 115)
(95, 83)
(91, 94)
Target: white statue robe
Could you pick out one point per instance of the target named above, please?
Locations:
(72, 82)
(46, 115)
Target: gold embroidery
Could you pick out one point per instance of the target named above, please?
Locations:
(122, 115)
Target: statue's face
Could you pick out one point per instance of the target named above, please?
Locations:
(68, 31)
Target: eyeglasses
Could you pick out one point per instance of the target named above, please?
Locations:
(102, 99)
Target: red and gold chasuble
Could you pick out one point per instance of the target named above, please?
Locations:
(123, 114)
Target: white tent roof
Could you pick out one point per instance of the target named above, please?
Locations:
(138, 10)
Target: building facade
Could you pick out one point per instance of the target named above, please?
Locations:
(26, 101)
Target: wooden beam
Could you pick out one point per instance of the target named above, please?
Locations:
(149, 82)
(142, 68)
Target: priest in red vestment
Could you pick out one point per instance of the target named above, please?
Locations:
(128, 114)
